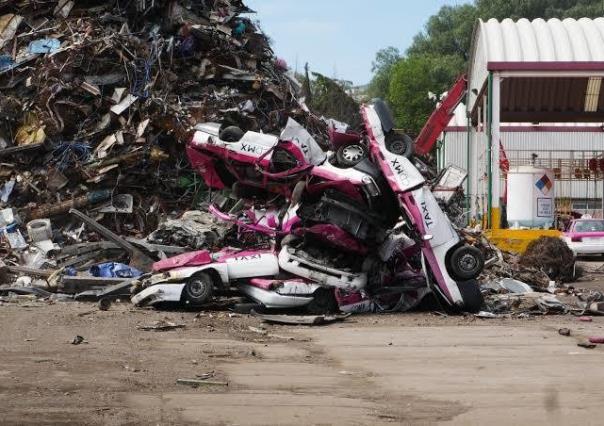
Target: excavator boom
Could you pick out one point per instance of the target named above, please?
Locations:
(441, 117)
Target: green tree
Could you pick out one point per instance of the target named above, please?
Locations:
(381, 68)
(411, 81)
(449, 32)
(532, 9)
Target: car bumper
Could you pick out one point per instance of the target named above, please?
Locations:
(158, 294)
(274, 300)
(321, 274)
(582, 248)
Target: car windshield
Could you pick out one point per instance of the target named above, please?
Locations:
(589, 226)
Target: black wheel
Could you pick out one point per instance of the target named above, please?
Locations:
(323, 302)
(350, 155)
(465, 263)
(231, 134)
(399, 144)
(199, 289)
(471, 295)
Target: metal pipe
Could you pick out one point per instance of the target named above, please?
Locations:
(489, 149)
(468, 166)
(495, 149)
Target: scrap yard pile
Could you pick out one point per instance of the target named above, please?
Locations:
(98, 97)
(159, 151)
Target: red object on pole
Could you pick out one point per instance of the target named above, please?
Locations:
(504, 163)
(441, 117)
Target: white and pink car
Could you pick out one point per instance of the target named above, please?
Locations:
(193, 279)
(585, 236)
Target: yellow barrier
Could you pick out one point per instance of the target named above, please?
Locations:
(516, 240)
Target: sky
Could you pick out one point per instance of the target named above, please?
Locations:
(339, 38)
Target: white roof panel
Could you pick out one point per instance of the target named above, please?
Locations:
(554, 40)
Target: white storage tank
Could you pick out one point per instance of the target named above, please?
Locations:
(530, 197)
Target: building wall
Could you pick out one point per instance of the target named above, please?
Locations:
(549, 145)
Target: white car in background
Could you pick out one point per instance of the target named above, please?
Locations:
(585, 236)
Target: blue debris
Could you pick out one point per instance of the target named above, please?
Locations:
(70, 271)
(6, 62)
(114, 270)
(44, 45)
(239, 29)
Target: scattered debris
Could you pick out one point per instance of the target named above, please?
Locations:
(302, 319)
(564, 332)
(104, 304)
(486, 315)
(597, 308)
(195, 383)
(596, 339)
(78, 340)
(160, 325)
(508, 284)
(205, 376)
(586, 345)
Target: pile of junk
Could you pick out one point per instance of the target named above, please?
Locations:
(158, 151)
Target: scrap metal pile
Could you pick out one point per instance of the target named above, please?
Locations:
(138, 111)
(97, 99)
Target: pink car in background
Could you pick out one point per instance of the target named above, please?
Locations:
(585, 236)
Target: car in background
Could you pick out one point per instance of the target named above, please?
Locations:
(585, 236)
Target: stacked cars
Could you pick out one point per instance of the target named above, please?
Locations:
(354, 228)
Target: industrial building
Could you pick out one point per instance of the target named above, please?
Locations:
(566, 148)
(534, 100)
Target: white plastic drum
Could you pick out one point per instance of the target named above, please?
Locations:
(530, 197)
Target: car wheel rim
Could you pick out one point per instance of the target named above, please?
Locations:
(352, 153)
(196, 288)
(467, 262)
(398, 147)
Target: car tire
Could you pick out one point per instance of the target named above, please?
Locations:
(199, 289)
(471, 295)
(231, 134)
(399, 144)
(465, 263)
(350, 155)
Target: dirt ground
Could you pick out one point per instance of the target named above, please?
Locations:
(415, 368)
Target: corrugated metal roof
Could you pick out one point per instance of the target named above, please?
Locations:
(543, 41)
(534, 42)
